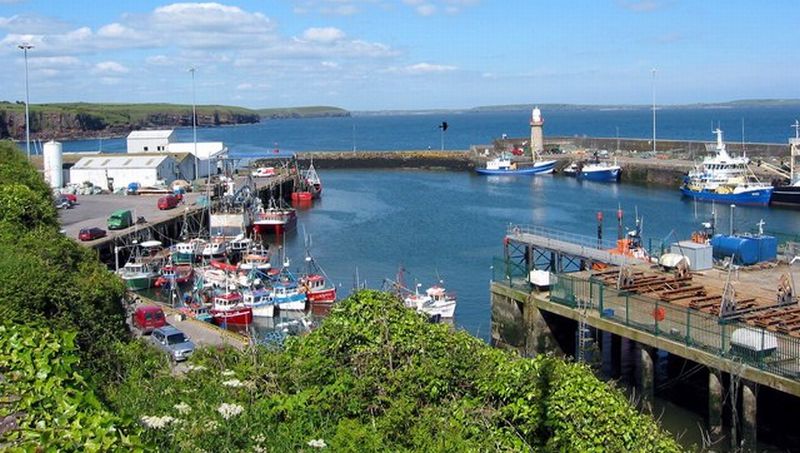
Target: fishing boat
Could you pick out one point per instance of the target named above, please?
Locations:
(600, 171)
(787, 189)
(313, 180)
(142, 269)
(239, 244)
(571, 169)
(434, 302)
(188, 251)
(260, 301)
(257, 257)
(316, 284)
(726, 179)
(505, 165)
(286, 292)
(217, 246)
(277, 218)
(175, 274)
(228, 309)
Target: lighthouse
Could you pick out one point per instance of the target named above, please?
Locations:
(537, 136)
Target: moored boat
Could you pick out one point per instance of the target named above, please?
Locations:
(188, 251)
(726, 179)
(600, 171)
(175, 274)
(287, 295)
(787, 190)
(504, 165)
(276, 218)
(259, 300)
(229, 309)
(435, 302)
(313, 180)
(142, 269)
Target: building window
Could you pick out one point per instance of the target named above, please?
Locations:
(145, 148)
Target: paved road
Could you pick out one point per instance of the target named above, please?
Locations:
(93, 210)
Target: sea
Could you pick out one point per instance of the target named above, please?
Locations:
(446, 226)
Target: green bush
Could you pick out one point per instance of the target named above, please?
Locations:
(377, 377)
(46, 405)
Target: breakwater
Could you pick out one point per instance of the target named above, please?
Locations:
(438, 160)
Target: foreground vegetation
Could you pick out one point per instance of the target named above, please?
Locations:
(375, 376)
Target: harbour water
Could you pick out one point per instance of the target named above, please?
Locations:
(404, 131)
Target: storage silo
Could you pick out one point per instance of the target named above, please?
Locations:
(53, 159)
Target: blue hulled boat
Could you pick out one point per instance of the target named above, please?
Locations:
(600, 171)
(503, 165)
(726, 179)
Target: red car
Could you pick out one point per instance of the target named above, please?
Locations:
(71, 197)
(90, 234)
(168, 202)
(148, 317)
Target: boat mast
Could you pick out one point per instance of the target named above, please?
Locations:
(654, 111)
(793, 144)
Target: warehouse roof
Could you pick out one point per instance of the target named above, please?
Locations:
(151, 134)
(101, 162)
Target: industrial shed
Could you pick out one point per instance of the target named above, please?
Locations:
(111, 172)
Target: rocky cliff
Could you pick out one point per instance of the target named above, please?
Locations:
(60, 121)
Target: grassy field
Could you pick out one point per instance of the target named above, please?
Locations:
(302, 111)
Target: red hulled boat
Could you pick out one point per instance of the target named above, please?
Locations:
(228, 309)
(275, 219)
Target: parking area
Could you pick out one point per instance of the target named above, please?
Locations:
(93, 211)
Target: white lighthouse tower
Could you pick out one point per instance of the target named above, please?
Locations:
(537, 135)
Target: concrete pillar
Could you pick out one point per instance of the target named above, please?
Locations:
(607, 345)
(749, 392)
(627, 360)
(715, 402)
(644, 375)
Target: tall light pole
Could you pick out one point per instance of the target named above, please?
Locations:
(25, 47)
(654, 110)
(194, 129)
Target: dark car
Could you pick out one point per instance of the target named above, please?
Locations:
(168, 202)
(90, 234)
(173, 342)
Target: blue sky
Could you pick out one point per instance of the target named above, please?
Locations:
(399, 54)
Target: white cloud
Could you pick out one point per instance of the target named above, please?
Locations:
(426, 10)
(53, 62)
(158, 60)
(244, 86)
(323, 35)
(330, 64)
(109, 68)
(422, 68)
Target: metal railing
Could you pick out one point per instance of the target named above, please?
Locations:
(770, 351)
(654, 247)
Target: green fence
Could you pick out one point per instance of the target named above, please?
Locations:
(770, 351)
(511, 274)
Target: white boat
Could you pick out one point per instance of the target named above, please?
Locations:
(313, 180)
(504, 165)
(188, 251)
(257, 257)
(600, 171)
(215, 247)
(726, 179)
(259, 301)
(435, 301)
(239, 244)
(276, 218)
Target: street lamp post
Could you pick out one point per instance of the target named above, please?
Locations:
(25, 47)
(654, 110)
(194, 129)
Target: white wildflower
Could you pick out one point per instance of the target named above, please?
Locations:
(259, 439)
(317, 443)
(229, 410)
(191, 367)
(212, 425)
(154, 422)
(183, 408)
(259, 449)
(232, 383)
(228, 373)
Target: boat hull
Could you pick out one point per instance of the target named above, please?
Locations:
(238, 316)
(264, 311)
(444, 310)
(605, 175)
(294, 303)
(540, 168)
(786, 196)
(183, 258)
(760, 197)
(139, 283)
(326, 296)
(276, 228)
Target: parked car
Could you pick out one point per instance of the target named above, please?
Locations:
(71, 197)
(263, 172)
(148, 318)
(172, 341)
(120, 219)
(90, 234)
(168, 202)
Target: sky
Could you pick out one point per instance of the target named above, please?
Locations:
(399, 54)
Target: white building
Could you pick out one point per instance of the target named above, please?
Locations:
(163, 141)
(114, 171)
(150, 141)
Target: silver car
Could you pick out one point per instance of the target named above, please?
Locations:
(173, 342)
